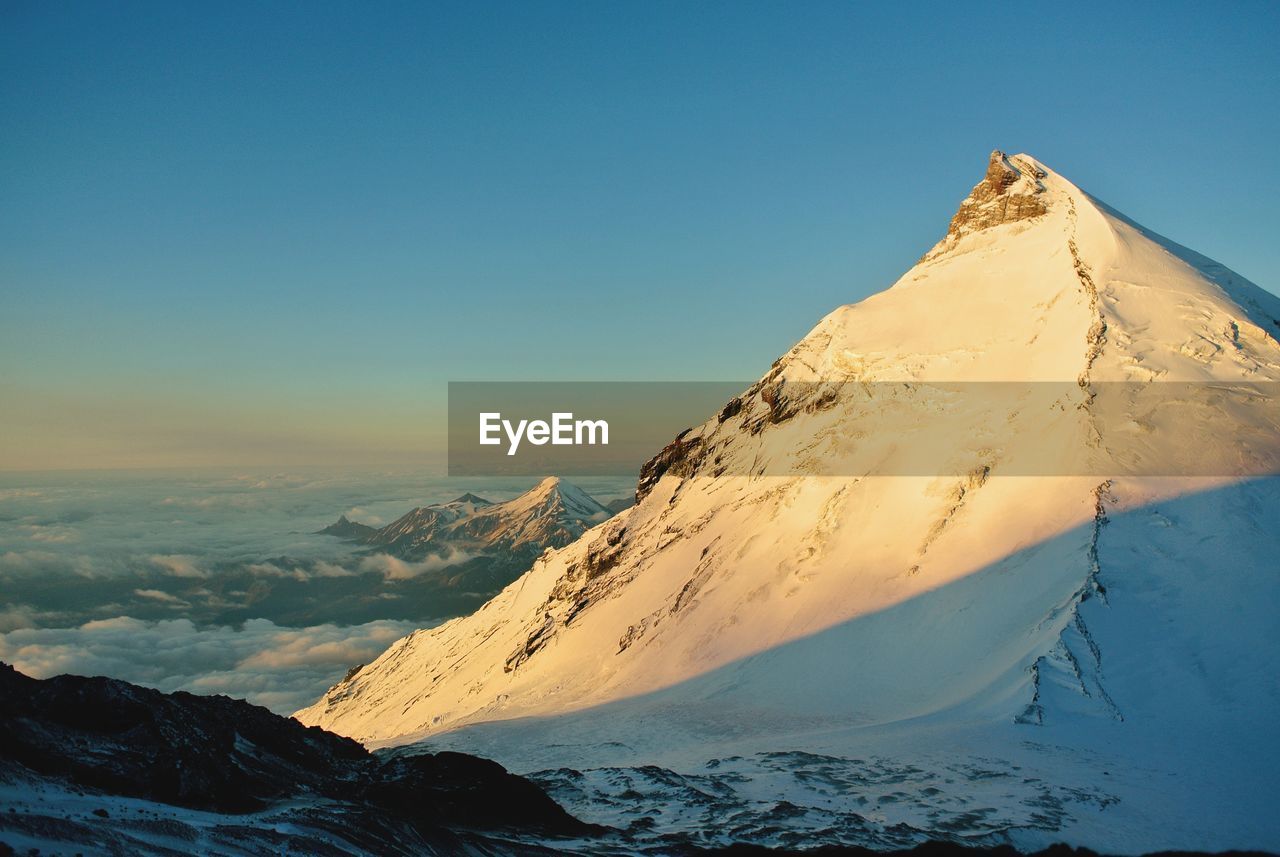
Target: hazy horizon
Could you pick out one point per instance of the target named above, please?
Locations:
(265, 236)
(217, 581)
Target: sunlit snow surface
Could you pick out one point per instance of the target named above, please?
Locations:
(1102, 649)
(1186, 641)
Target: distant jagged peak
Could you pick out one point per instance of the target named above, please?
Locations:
(550, 486)
(346, 528)
(552, 513)
(549, 483)
(556, 491)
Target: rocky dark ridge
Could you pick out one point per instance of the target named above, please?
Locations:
(680, 458)
(1000, 197)
(100, 736)
(344, 528)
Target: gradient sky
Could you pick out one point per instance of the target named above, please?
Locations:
(258, 233)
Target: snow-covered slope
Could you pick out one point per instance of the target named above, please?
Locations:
(1101, 642)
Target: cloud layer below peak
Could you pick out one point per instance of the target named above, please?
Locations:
(277, 667)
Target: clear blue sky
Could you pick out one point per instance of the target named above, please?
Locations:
(239, 215)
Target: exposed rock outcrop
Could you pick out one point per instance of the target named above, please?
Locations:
(1010, 191)
(99, 736)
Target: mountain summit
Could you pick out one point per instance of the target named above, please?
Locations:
(1077, 654)
(1009, 192)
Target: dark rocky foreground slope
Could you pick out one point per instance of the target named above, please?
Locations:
(95, 765)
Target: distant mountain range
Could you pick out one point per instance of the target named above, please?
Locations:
(551, 514)
(460, 553)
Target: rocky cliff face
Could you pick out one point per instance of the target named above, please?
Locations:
(1010, 191)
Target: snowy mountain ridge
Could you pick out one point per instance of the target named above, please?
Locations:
(1061, 629)
(552, 513)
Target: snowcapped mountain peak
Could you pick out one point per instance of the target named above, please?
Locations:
(549, 484)
(553, 512)
(565, 494)
(827, 608)
(554, 502)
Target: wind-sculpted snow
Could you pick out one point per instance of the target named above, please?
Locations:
(1038, 596)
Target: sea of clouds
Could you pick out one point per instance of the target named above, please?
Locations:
(216, 582)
